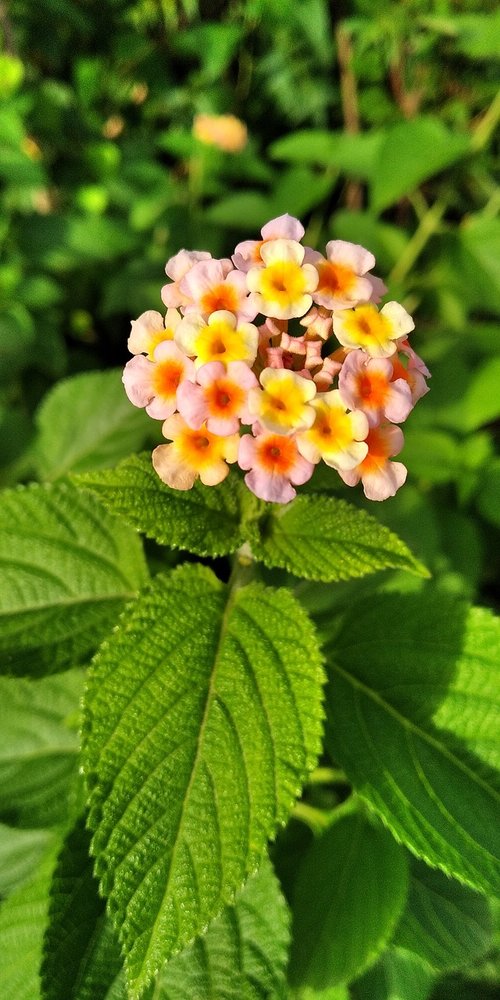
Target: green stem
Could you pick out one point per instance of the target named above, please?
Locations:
(319, 820)
(327, 776)
(484, 130)
(426, 228)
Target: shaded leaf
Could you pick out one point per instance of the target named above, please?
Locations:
(87, 422)
(38, 748)
(82, 960)
(396, 976)
(390, 665)
(243, 954)
(203, 718)
(411, 152)
(445, 923)
(67, 569)
(350, 891)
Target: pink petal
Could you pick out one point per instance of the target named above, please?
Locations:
(137, 379)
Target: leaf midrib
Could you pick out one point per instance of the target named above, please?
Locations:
(194, 768)
(423, 734)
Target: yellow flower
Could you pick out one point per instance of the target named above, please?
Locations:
(282, 287)
(224, 131)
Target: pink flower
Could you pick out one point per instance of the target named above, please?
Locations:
(274, 463)
(150, 329)
(193, 454)
(218, 398)
(154, 384)
(176, 268)
(247, 254)
(365, 384)
(212, 285)
(341, 282)
(381, 478)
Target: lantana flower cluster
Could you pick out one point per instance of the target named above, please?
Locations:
(277, 358)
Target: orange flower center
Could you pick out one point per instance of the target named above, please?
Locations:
(373, 388)
(221, 296)
(378, 451)
(335, 278)
(166, 378)
(277, 454)
(224, 398)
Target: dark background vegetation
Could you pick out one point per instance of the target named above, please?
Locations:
(373, 121)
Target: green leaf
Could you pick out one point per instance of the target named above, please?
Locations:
(21, 852)
(22, 922)
(397, 976)
(38, 748)
(445, 923)
(82, 960)
(350, 892)
(488, 500)
(481, 402)
(243, 954)
(410, 153)
(354, 155)
(431, 455)
(480, 243)
(390, 665)
(203, 718)
(103, 427)
(242, 210)
(318, 537)
(471, 707)
(202, 520)
(67, 569)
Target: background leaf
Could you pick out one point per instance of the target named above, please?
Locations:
(81, 957)
(396, 976)
(87, 422)
(350, 891)
(22, 923)
(203, 719)
(67, 569)
(243, 954)
(38, 748)
(321, 538)
(444, 923)
(386, 683)
(411, 152)
(201, 520)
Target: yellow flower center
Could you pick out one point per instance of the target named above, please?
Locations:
(332, 429)
(367, 327)
(199, 448)
(220, 342)
(283, 282)
(283, 403)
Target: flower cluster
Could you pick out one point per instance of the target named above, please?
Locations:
(235, 379)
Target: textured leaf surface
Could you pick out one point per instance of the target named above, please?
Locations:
(390, 665)
(22, 922)
(242, 956)
(38, 747)
(350, 891)
(82, 958)
(321, 538)
(203, 718)
(202, 520)
(444, 922)
(471, 708)
(67, 567)
(87, 422)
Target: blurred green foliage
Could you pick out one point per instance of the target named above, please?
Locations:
(373, 121)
